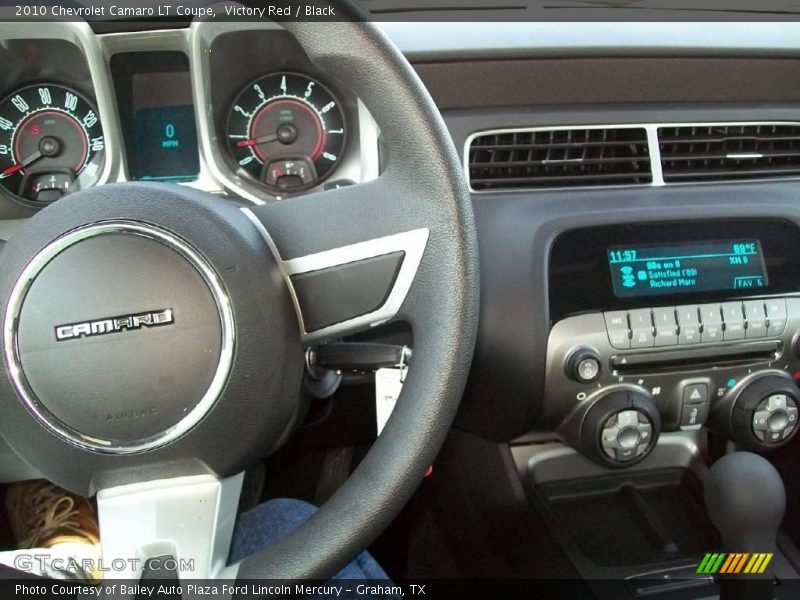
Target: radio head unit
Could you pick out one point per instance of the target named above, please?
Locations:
(674, 326)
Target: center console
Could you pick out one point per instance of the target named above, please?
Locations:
(665, 327)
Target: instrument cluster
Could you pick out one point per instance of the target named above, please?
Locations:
(175, 106)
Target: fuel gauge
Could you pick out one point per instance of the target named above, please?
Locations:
(49, 187)
(289, 174)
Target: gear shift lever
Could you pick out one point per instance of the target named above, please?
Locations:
(745, 500)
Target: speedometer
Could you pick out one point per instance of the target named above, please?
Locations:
(287, 131)
(51, 143)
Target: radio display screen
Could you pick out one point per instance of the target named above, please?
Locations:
(645, 270)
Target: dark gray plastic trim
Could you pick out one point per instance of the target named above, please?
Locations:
(335, 294)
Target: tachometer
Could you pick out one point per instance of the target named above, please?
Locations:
(51, 143)
(287, 131)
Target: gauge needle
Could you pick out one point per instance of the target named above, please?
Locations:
(273, 137)
(22, 164)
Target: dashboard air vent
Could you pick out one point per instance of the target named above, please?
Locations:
(559, 158)
(722, 152)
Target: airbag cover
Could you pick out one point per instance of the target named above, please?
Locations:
(119, 339)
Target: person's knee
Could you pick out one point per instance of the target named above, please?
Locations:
(267, 523)
(289, 509)
(276, 517)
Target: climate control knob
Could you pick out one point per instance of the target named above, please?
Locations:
(626, 435)
(764, 413)
(775, 418)
(617, 428)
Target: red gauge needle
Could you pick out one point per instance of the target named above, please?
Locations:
(22, 164)
(13, 169)
(262, 140)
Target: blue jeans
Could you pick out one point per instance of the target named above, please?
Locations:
(268, 522)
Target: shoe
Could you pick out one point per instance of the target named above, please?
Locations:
(43, 515)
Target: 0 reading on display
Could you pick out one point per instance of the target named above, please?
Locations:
(684, 268)
(164, 128)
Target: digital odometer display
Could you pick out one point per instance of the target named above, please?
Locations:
(166, 143)
(685, 268)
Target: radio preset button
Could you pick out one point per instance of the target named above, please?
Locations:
(666, 326)
(688, 324)
(776, 315)
(618, 331)
(733, 317)
(756, 318)
(711, 319)
(641, 321)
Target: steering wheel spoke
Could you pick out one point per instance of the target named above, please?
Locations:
(340, 280)
(183, 524)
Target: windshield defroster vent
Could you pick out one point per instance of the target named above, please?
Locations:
(559, 158)
(724, 152)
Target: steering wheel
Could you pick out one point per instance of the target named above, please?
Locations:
(153, 335)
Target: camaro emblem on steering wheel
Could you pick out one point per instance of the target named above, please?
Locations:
(114, 324)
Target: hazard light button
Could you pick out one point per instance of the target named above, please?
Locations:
(695, 393)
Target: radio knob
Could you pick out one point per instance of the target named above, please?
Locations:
(764, 414)
(583, 365)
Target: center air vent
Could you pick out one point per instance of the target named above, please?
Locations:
(724, 152)
(559, 158)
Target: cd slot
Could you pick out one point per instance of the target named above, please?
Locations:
(697, 357)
